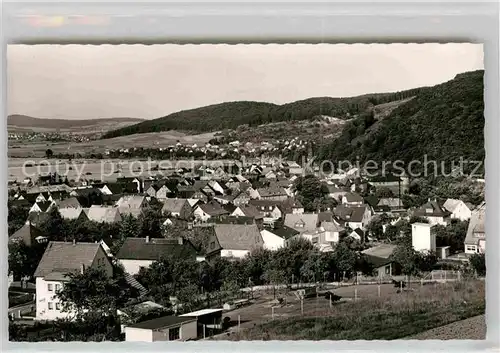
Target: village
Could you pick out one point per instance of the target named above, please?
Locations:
(203, 251)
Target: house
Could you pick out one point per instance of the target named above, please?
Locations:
(332, 232)
(433, 212)
(475, 239)
(73, 213)
(44, 206)
(272, 193)
(458, 209)
(302, 223)
(103, 214)
(70, 202)
(357, 234)
(380, 258)
(294, 168)
(270, 209)
(277, 237)
(392, 203)
(352, 199)
(242, 198)
(422, 239)
(292, 205)
(353, 217)
(179, 208)
(142, 252)
(131, 204)
(334, 192)
(28, 234)
(58, 260)
(204, 212)
(165, 328)
(234, 240)
(247, 211)
(160, 192)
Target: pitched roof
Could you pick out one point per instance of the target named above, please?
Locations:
(251, 211)
(27, 233)
(213, 209)
(350, 214)
(71, 213)
(63, 257)
(37, 218)
(282, 232)
(44, 205)
(382, 250)
(131, 201)
(332, 227)
(306, 222)
(271, 191)
(475, 230)
(451, 204)
(174, 205)
(154, 249)
(238, 236)
(392, 202)
(162, 322)
(353, 197)
(431, 209)
(70, 202)
(103, 214)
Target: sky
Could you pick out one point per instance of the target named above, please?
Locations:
(139, 81)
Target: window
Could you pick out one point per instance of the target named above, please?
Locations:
(58, 306)
(49, 287)
(471, 248)
(51, 306)
(388, 270)
(174, 333)
(58, 287)
(212, 245)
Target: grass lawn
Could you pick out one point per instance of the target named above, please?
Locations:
(393, 317)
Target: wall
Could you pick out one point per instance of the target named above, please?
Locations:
(133, 266)
(272, 241)
(462, 212)
(422, 239)
(234, 253)
(43, 297)
(189, 330)
(102, 260)
(133, 334)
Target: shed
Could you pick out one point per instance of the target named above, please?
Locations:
(206, 318)
(166, 328)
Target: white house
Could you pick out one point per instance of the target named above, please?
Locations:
(475, 239)
(234, 240)
(276, 238)
(421, 237)
(434, 213)
(59, 259)
(458, 209)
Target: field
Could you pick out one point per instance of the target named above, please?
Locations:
(106, 169)
(152, 140)
(370, 317)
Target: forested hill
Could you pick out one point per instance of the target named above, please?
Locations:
(444, 122)
(230, 115)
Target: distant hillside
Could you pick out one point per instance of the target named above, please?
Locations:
(444, 122)
(230, 115)
(28, 122)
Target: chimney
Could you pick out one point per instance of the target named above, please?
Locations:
(180, 240)
(147, 239)
(82, 268)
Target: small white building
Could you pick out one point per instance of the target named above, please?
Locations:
(421, 237)
(166, 328)
(458, 209)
